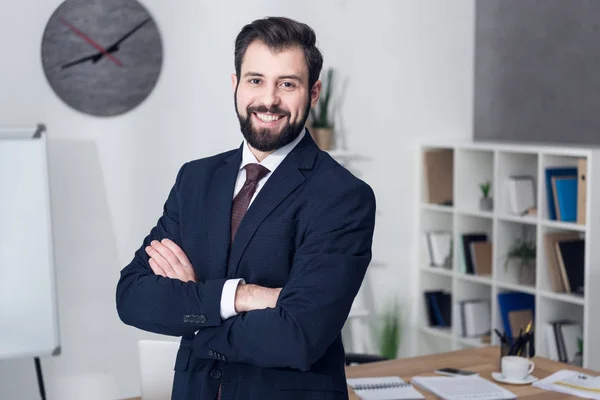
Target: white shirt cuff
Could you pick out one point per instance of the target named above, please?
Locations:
(228, 297)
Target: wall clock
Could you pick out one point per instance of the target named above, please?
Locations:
(102, 57)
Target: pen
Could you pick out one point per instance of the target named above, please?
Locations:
(501, 336)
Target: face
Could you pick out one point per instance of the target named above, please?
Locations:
(272, 97)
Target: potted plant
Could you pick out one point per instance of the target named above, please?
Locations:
(485, 202)
(389, 333)
(322, 127)
(523, 253)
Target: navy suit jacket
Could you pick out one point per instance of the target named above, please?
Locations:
(309, 230)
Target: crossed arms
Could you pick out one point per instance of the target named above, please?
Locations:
(277, 327)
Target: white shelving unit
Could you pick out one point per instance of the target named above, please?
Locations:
(476, 162)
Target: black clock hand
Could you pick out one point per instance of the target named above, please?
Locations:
(115, 45)
(93, 57)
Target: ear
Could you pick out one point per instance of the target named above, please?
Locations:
(315, 92)
(233, 82)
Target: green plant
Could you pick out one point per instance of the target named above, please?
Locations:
(389, 334)
(321, 114)
(485, 188)
(523, 249)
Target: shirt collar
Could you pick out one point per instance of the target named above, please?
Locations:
(273, 160)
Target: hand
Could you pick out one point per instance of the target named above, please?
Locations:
(250, 297)
(168, 260)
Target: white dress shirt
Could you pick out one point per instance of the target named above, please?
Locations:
(271, 162)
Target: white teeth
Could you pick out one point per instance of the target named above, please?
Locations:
(268, 118)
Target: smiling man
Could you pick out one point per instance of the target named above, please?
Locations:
(261, 250)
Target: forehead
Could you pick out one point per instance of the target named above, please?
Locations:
(259, 58)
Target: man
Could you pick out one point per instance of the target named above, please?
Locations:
(261, 250)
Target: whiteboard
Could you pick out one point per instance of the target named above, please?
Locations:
(28, 306)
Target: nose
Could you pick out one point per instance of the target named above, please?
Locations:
(270, 96)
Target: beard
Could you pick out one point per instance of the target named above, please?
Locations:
(263, 139)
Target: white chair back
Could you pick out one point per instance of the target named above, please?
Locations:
(157, 359)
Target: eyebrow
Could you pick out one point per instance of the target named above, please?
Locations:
(295, 77)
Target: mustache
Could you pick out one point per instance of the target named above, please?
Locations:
(265, 109)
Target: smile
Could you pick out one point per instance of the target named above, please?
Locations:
(268, 118)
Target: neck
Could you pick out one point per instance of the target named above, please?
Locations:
(260, 155)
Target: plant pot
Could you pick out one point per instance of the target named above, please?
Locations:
(486, 204)
(323, 137)
(527, 274)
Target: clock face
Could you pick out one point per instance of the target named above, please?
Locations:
(102, 57)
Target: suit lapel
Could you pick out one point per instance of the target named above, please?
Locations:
(218, 217)
(284, 180)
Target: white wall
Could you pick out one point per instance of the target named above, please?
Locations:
(409, 71)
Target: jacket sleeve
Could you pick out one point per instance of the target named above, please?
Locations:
(163, 305)
(327, 272)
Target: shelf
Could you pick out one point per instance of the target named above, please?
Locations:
(566, 297)
(486, 280)
(445, 333)
(438, 271)
(476, 213)
(437, 207)
(526, 219)
(571, 226)
(472, 342)
(473, 164)
(516, 287)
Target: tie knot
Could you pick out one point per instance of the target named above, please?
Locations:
(255, 172)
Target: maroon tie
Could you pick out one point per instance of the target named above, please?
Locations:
(254, 173)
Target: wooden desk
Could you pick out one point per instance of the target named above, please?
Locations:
(483, 360)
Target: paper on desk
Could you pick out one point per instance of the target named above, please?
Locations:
(571, 382)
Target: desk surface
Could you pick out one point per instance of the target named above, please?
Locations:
(483, 360)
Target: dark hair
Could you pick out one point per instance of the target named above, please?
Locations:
(280, 33)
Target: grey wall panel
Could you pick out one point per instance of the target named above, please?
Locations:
(537, 71)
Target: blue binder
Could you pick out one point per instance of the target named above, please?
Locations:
(555, 171)
(566, 193)
(514, 301)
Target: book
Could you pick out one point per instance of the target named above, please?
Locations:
(571, 256)
(439, 167)
(581, 190)
(514, 301)
(383, 388)
(571, 382)
(521, 193)
(462, 388)
(555, 271)
(566, 194)
(551, 172)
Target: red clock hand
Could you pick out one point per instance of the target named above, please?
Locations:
(90, 41)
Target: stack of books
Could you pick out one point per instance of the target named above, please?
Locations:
(565, 253)
(566, 192)
(439, 308)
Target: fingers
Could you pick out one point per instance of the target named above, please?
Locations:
(177, 251)
(161, 260)
(156, 268)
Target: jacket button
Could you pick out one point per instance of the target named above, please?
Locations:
(215, 374)
(202, 319)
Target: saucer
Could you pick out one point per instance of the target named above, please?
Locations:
(500, 378)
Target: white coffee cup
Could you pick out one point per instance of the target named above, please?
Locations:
(516, 368)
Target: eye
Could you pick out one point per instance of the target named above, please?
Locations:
(254, 81)
(288, 85)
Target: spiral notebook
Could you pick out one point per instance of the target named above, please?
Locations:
(384, 388)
